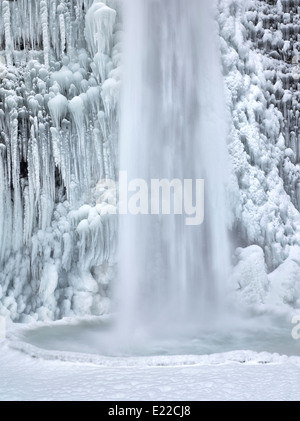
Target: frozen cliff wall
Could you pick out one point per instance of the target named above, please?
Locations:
(258, 42)
(59, 89)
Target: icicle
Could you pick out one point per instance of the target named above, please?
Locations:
(44, 19)
(3, 69)
(8, 38)
(58, 107)
(62, 28)
(100, 21)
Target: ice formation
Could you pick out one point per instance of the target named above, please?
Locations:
(59, 89)
(60, 80)
(258, 41)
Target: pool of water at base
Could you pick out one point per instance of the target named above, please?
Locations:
(99, 337)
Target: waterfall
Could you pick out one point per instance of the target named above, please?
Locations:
(63, 66)
(173, 127)
(62, 70)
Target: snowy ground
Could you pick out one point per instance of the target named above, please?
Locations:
(26, 378)
(31, 373)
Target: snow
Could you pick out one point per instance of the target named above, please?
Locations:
(239, 375)
(49, 280)
(284, 281)
(250, 275)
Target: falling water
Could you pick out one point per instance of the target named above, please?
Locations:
(172, 127)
